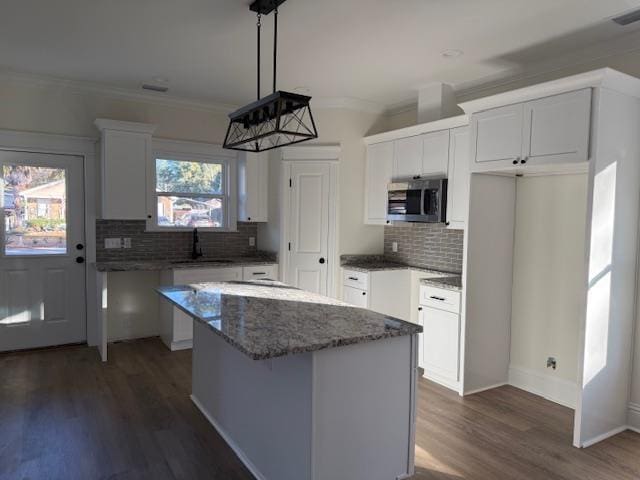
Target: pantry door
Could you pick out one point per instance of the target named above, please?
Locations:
(42, 269)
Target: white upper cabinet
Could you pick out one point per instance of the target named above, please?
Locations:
(435, 153)
(407, 157)
(557, 128)
(125, 148)
(458, 194)
(253, 180)
(378, 175)
(497, 135)
(551, 130)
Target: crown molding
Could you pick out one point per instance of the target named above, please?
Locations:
(604, 77)
(506, 79)
(444, 124)
(84, 87)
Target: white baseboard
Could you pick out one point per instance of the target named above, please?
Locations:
(241, 455)
(455, 386)
(554, 389)
(634, 417)
(484, 389)
(604, 436)
(181, 345)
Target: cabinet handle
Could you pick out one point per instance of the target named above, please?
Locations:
(259, 273)
(355, 279)
(440, 299)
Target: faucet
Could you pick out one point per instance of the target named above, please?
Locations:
(196, 251)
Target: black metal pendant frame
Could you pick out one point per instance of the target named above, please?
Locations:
(279, 119)
(282, 118)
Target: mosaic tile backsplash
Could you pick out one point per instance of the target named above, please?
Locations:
(170, 245)
(425, 245)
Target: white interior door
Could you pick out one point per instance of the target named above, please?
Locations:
(42, 269)
(309, 226)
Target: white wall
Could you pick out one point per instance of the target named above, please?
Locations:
(548, 273)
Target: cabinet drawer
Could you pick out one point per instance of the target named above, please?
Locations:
(356, 297)
(198, 275)
(351, 278)
(441, 298)
(257, 272)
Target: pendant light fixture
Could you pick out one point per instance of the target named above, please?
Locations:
(282, 118)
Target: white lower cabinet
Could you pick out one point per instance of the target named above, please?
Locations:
(385, 291)
(356, 297)
(176, 328)
(260, 272)
(439, 343)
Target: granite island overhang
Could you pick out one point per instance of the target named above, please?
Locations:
(302, 386)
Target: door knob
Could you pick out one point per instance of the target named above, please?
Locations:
(79, 259)
(321, 260)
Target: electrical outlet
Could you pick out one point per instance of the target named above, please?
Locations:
(126, 243)
(252, 241)
(112, 243)
(394, 247)
(552, 363)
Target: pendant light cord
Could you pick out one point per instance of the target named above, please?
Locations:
(259, 25)
(275, 47)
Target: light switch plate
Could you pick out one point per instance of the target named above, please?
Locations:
(126, 243)
(394, 247)
(252, 241)
(112, 243)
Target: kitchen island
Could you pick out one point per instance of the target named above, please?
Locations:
(302, 386)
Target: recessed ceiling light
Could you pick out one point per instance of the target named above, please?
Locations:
(452, 53)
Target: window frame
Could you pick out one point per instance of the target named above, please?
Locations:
(193, 152)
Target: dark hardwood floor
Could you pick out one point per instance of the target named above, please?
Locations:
(65, 415)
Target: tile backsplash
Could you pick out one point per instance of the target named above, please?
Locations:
(170, 245)
(426, 245)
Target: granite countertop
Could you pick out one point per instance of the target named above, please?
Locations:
(449, 283)
(126, 266)
(267, 319)
(376, 263)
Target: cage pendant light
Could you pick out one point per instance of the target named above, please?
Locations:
(282, 118)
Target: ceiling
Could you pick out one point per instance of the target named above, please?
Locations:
(373, 50)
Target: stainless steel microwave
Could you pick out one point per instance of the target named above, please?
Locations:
(420, 200)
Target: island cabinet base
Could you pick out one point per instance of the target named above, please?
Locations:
(338, 413)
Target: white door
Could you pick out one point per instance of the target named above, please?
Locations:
(497, 135)
(435, 155)
(440, 343)
(355, 297)
(379, 173)
(42, 269)
(309, 226)
(557, 128)
(407, 157)
(458, 193)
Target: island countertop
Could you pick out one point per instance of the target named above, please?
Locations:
(266, 319)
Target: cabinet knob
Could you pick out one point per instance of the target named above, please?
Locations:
(419, 309)
(364, 293)
(524, 160)
(248, 219)
(148, 216)
(516, 161)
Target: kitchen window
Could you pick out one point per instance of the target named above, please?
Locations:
(190, 192)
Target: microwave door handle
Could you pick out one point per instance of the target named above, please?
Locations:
(422, 194)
